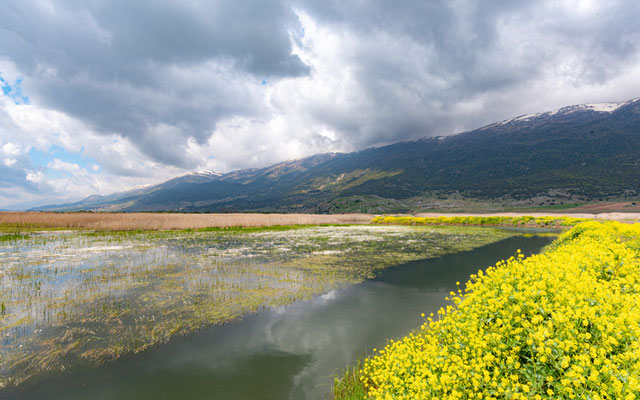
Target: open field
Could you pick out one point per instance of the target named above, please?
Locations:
(160, 221)
(563, 324)
(613, 216)
(469, 220)
(609, 207)
(456, 203)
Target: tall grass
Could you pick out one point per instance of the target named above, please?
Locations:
(12, 221)
(348, 385)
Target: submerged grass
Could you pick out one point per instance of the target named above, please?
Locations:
(563, 324)
(82, 298)
(9, 237)
(249, 229)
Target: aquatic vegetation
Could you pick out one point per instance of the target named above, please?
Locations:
(563, 324)
(12, 236)
(526, 221)
(81, 298)
(349, 386)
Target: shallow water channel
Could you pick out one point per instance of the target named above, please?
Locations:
(289, 352)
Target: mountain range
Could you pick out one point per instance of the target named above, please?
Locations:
(577, 153)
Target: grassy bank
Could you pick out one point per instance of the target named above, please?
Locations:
(521, 221)
(564, 324)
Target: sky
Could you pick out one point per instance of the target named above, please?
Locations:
(99, 96)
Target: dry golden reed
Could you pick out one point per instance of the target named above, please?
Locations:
(156, 221)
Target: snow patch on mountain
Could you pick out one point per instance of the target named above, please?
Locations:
(525, 117)
(597, 107)
(205, 172)
(603, 107)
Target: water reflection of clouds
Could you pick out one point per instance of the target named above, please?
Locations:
(77, 271)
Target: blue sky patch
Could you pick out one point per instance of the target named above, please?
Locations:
(14, 91)
(42, 158)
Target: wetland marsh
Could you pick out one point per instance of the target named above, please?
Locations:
(74, 299)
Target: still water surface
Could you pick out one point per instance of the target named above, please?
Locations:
(290, 352)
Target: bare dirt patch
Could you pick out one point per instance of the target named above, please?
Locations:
(626, 207)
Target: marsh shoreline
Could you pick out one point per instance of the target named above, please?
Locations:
(79, 297)
(286, 352)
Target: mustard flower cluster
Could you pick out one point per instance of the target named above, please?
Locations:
(474, 220)
(564, 324)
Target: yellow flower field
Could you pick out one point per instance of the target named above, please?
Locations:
(564, 324)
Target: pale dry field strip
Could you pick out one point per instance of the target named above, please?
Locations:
(613, 216)
(157, 221)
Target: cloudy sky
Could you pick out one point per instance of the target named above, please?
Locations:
(102, 95)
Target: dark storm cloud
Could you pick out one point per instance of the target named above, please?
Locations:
(163, 74)
(458, 34)
(134, 68)
(111, 37)
(464, 33)
(417, 60)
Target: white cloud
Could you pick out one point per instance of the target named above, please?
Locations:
(11, 149)
(35, 176)
(71, 168)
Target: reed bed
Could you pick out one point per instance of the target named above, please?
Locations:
(170, 221)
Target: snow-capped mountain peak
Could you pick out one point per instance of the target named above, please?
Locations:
(602, 107)
(597, 107)
(205, 172)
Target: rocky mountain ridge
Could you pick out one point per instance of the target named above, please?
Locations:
(589, 151)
